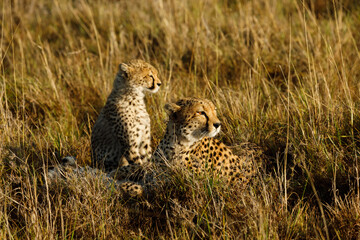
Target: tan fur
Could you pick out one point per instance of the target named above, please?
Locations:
(121, 134)
(69, 169)
(188, 142)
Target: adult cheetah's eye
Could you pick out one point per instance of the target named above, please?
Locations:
(200, 113)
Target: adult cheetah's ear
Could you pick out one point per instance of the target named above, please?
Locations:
(171, 108)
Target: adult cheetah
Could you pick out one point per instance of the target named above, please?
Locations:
(121, 134)
(188, 141)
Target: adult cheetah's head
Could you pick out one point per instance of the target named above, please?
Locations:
(139, 74)
(194, 118)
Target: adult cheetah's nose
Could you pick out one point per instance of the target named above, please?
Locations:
(217, 125)
(159, 84)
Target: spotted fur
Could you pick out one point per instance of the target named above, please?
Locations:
(188, 141)
(121, 134)
(68, 169)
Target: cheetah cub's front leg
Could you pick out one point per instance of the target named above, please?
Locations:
(145, 145)
(139, 153)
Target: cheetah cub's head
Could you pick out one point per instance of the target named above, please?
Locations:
(194, 118)
(138, 74)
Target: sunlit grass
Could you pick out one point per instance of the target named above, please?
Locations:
(283, 75)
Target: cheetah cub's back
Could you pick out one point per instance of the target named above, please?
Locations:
(121, 134)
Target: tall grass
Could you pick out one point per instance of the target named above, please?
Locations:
(283, 74)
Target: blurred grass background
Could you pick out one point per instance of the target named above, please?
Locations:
(283, 74)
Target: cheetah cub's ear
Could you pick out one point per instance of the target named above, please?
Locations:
(125, 69)
(171, 108)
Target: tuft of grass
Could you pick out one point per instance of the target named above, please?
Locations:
(284, 76)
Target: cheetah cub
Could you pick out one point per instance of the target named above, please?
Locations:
(121, 134)
(189, 141)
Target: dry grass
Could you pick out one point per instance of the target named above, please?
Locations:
(283, 74)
